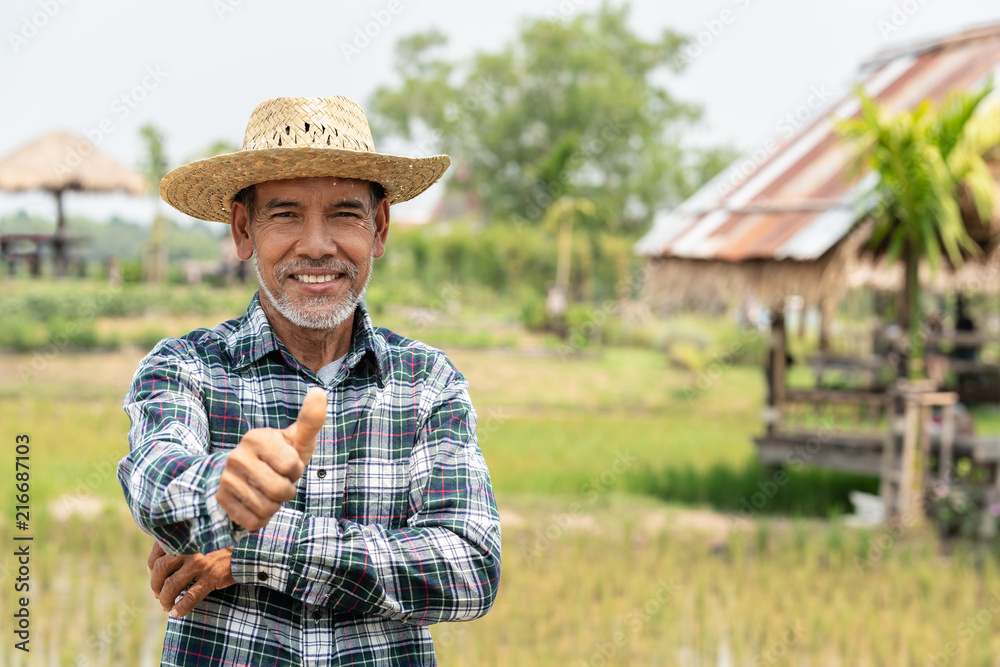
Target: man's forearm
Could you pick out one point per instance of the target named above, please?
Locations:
(180, 512)
(419, 575)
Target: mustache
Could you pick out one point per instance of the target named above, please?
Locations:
(285, 269)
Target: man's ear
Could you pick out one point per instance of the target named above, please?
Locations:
(381, 227)
(239, 223)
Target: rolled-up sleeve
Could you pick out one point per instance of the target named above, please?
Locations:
(170, 477)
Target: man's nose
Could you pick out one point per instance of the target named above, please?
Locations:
(315, 240)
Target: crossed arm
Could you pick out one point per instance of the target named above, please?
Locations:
(443, 565)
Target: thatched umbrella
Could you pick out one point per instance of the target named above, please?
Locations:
(60, 161)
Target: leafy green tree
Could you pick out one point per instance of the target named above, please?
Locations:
(570, 107)
(928, 162)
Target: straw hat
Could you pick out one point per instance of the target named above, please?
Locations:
(297, 137)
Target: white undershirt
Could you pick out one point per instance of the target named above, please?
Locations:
(328, 372)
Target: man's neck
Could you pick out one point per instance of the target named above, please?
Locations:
(314, 348)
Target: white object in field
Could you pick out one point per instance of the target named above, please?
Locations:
(868, 509)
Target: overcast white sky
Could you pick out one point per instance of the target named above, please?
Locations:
(196, 68)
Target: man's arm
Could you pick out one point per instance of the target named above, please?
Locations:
(443, 566)
(248, 483)
(169, 477)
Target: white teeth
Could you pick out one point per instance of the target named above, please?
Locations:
(314, 279)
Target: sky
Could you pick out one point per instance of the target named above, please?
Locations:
(196, 68)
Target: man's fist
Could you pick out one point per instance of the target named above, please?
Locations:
(261, 471)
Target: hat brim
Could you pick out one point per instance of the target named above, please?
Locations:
(205, 189)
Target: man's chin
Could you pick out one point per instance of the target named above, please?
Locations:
(318, 313)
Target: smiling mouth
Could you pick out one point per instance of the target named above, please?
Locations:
(303, 278)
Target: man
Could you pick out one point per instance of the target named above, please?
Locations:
(314, 482)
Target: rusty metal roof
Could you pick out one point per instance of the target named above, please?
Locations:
(793, 197)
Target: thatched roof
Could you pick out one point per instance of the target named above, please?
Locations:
(675, 282)
(61, 161)
(678, 282)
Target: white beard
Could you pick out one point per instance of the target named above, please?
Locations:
(324, 314)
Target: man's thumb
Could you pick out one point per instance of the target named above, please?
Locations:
(312, 416)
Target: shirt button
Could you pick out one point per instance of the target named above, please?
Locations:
(321, 473)
(317, 615)
(262, 576)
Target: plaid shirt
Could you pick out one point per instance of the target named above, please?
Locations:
(394, 527)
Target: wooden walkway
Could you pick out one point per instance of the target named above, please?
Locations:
(900, 439)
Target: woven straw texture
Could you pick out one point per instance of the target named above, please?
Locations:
(62, 160)
(298, 137)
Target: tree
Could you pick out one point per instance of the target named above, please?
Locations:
(217, 147)
(929, 166)
(567, 108)
(154, 167)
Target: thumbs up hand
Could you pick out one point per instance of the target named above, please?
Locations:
(261, 471)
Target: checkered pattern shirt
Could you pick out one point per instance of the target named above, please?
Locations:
(394, 526)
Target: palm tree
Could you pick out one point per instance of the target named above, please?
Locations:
(933, 187)
(154, 167)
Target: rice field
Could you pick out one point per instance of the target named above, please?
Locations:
(593, 573)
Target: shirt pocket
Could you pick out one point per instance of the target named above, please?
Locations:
(377, 481)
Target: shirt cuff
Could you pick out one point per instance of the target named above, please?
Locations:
(265, 557)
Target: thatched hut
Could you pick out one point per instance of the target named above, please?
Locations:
(788, 219)
(784, 219)
(61, 161)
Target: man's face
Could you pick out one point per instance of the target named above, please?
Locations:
(313, 241)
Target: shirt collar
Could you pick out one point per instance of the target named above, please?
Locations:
(252, 337)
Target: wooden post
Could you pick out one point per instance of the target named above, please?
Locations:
(908, 479)
(947, 443)
(825, 315)
(888, 489)
(59, 241)
(776, 372)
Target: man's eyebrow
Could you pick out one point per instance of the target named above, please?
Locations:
(281, 203)
(356, 204)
